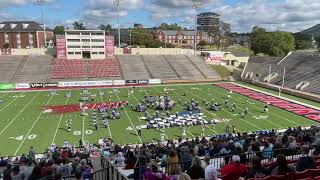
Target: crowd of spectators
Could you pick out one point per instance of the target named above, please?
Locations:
(55, 164)
(242, 155)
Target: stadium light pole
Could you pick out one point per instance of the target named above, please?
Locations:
(41, 3)
(117, 3)
(195, 6)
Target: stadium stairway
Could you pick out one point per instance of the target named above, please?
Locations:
(183, 67)
(133, 67)
(9, 66)
(159, 67)
(33, 69)
(204, 68)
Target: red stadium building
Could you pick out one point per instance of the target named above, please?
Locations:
(23, 34)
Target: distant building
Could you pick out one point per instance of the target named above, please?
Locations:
(125, 37)
(243, 41)
(208, 21)
(23, 34)
(84, 44)
(136, 25)
(180, 37)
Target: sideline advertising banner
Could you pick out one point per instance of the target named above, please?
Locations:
(22, 85)
(131, 82)
(155, 81)
(143, 82)
(119, 82)
(7, 86)
(85, 83)
(36, 85)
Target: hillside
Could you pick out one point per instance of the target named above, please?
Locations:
(315, 30)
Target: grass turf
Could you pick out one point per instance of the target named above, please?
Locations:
(22, 122)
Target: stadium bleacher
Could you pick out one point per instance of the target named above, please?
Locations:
(133, 67)
(68, 69)
(103, 68)
(300, 68)
(34, 69)
(9, 66)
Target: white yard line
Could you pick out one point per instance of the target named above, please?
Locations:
(108, 122)
(235, 99)
(125, 110)
(204, 110)
(281, 97)
(279, 108)
(137, 102)
(19, 113)
(4, 94)
(55, 134)
(82, 133)
(8, 104)
(190, 133)
(224, 110)
(34, 123)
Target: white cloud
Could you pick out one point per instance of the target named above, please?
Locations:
(290, 15)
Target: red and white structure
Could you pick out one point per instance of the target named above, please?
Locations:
(84, 44)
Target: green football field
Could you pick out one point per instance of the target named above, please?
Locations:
(24, 123)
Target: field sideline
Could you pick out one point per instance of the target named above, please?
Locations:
(23, 122)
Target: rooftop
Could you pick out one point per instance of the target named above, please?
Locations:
(21, 26)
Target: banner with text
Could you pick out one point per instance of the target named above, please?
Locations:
(61, 47)
(131, 82)
(119, 82)
(155, 81)
(85, 83)
(109, 46)
(22, 85)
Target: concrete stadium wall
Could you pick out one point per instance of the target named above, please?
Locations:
(231, 57)
(305, 95)
(155, 51)
(33, 51)
(26, 52)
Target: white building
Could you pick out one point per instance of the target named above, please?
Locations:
(85, 44)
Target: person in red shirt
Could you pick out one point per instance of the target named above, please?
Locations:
(234, 169)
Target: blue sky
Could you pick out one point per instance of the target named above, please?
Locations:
(289, 15)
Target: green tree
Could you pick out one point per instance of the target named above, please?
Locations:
(277, 43)
(203, 43)
(141, 36)
(106, 28)
(221, 35)
(174, 27)
(58, 30)
(78, 26)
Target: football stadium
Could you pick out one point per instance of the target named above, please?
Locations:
(158, 103)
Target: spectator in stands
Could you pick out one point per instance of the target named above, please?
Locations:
(80, 167)
(152, 172)
(3, 162)
(36, 173)
(292, 142)
(65, 169)
(210, 171)
(173, 161)
(234, 169)
(305, 162)
(186, 158)
(28, 169)
(140, 168)
(256, 170)
(16, 173)
(130, 160)
(267, 151)
(23, 159)
(184, 176)
(196, 171)
(119, 162)
(282, 167)
(7, 172)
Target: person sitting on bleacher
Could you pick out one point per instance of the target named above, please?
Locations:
(282, 167)
(305, 162)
